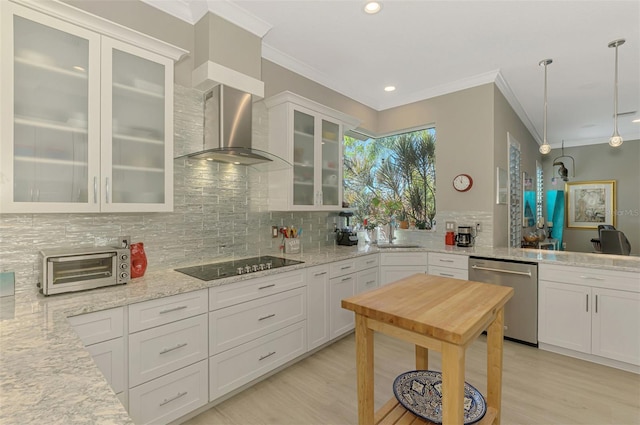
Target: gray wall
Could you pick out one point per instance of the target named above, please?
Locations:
(602, 162)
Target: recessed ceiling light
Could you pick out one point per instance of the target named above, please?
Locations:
(390, 88)
(372, 7)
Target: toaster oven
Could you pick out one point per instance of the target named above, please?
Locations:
(68, 270)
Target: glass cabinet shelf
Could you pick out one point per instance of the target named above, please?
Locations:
(132, 90)
(50, 125)
(138, 139)
(73, 72)
(138, 169)
(52, 161)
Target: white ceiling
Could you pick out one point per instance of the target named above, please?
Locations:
(427, 48)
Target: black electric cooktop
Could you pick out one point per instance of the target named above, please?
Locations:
(215, 271)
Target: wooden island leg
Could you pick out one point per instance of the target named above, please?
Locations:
(364, 367)
(452, 384)
(495, 335)
(422, 358)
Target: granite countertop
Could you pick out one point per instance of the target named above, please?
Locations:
(48, 377)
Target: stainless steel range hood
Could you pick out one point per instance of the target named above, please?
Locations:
(228, 131)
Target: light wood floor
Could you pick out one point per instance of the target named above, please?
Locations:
(538, 388)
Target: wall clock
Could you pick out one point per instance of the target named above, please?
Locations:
(462, 182)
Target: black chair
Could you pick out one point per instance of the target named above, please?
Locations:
(614, 242)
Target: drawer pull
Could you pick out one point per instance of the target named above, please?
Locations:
(175, 397)
(446, 274)
(370, 282)
(345, 267)
(371, 261)
(267, 317)
(445, 261)
(267, 355)
(267, 286)
(182, 307)
(320, 274)
(344, 279)
(591, 278)
(167, 350)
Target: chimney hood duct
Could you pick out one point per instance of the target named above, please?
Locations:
(227, 131)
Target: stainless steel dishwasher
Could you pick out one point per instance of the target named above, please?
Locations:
(521, 312)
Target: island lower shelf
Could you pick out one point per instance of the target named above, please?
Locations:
(392, 413)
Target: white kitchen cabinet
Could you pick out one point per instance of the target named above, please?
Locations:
(310, 137)
(592, 312)
(318, 306)
(102, 334)
(398, 265)
(449, 265)
(87, 120)
(167, 352)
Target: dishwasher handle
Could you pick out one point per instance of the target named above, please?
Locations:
(491, 269)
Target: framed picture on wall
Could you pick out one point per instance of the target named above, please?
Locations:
(590, 204)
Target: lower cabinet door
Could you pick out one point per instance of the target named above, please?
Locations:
(171, 396)
(109, 357)
(317, 306)
(240, 365)
(616, 325)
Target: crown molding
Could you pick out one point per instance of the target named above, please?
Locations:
(239, 16)
(506, 91)
(81, 18)
(181, 9)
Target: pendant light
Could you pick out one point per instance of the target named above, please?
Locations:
(616, 139)
(545, 148)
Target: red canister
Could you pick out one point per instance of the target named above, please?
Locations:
(450, 238)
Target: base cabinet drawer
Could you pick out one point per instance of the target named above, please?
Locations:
(161, 350)
(235, 325)
(161, 311)
(449, 272)
(238, 366)
(171, 396)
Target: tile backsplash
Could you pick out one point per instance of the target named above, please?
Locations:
(220, 212)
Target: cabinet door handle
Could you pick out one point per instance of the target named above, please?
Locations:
(267, 286)
(445, 261)
(344, 279)
(269, 316)
(266, 355)
(175, 397)
(320, 274)
(170, 310)
(95, 189)
(106, 195)
(596, 303)
(591, 278)
(37, 195)
(345, 268)
(446, 274)
(587, 302)
(167, 350)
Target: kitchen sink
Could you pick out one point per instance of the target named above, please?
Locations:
(397, 245)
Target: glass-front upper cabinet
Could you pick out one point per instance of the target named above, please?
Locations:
(137, 110)
(50, 119)
(309, 135)
(86, 120)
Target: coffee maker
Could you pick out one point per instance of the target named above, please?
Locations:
(464, 238)
(345, 236)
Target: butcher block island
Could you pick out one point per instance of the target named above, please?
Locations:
(434, 313)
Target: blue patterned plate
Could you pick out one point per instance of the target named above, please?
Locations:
(420, 392)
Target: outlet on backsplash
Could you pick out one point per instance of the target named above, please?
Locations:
(450, 226)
